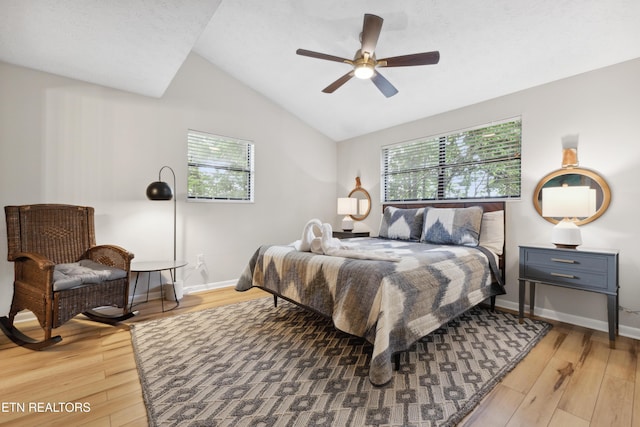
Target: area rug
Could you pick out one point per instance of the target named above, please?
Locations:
(252, 364)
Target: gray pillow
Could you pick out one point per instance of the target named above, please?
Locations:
(452, 226)
(401, 224)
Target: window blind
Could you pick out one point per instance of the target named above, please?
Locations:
(476, 163)
(219, 168)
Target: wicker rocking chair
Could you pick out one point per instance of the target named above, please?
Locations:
(59, 270)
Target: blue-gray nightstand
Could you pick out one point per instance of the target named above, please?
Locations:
(594, 270)
(350, 234)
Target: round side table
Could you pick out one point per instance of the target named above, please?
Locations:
(156, 266)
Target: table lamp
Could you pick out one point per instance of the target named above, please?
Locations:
(347, 206)
(568, 203)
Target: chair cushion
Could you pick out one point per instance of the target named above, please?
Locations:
(67, 276)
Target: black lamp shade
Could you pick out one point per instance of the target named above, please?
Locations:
(159, 190)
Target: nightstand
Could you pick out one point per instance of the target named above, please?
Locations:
(350, 234)
(593, 270)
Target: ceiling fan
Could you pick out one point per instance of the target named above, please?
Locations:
(365, 63)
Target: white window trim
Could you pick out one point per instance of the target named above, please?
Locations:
(250, 168)
(383, 165)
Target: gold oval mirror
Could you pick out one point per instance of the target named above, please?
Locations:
(364, 201)
(574, 177)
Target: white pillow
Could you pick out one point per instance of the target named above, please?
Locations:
(492, 231)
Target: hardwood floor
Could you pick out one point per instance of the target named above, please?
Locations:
(571, 378)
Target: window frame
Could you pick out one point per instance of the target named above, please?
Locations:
(438, 184)
(247, 168)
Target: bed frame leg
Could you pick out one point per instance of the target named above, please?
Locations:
(275, 301)
(396, 361)
(493, 303)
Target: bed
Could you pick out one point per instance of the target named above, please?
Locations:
(430, 263)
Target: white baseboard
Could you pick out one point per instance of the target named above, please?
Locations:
(209, 286)
(24, 316)
(598, 325)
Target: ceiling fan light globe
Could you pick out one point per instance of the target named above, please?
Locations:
(363, 72)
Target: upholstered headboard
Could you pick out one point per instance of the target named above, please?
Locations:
(486, 207)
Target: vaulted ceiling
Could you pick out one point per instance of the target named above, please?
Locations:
(487, 48)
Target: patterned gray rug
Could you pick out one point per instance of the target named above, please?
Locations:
(250, 364)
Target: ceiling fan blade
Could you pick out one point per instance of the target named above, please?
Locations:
(425, 58)
(319, 55)
(335, 85)
(371, 28)
(384, 85)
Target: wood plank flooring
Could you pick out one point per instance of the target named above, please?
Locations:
(571, 378)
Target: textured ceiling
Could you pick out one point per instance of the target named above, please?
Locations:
(487, 49)
(133, 45)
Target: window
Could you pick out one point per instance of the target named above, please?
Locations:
(477, 163)
(220, 168)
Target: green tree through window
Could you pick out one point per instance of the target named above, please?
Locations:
(478, 163)
(219, 168)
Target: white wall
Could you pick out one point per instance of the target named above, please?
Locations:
(604, 108)
(66, 141)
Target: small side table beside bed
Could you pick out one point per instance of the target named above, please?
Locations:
(149, 267)
(593, 270)
(349, 234)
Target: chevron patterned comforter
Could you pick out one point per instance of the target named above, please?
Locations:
(391, 304)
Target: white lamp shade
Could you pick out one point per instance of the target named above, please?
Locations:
(347, 206)
(593, 207)
(567, 202)
(363, 206)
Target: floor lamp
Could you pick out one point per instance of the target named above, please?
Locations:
(160, 190)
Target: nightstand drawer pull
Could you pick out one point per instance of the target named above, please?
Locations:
(566, 276)
(566, 261)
